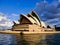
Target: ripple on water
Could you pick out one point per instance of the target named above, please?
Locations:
(31, 39)
(7, 39)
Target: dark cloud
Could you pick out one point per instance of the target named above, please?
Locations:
(49, 11)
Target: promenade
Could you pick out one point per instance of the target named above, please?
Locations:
(17, 32)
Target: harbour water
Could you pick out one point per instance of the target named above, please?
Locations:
(30, 39)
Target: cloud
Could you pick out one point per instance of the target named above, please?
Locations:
(59, 0)
(14, 14)
(53, 21)
(5, 22)
(49, 12)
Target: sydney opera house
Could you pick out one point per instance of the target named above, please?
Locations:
(30, 23)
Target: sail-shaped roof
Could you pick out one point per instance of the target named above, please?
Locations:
(14, 22)
(31, 18)
(24, 20)
(35, 15)
(29, 22)
(43, 24)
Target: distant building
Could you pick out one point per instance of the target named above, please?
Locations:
(57, 28)
(31, 23)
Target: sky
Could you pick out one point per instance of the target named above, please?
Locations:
(10, 10)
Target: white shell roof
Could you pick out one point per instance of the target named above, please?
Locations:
(33, 19)
(16, 22)
(43, 24)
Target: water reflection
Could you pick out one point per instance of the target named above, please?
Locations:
(30, 39)
(35, 39)
(53, 41)
(7, 39)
